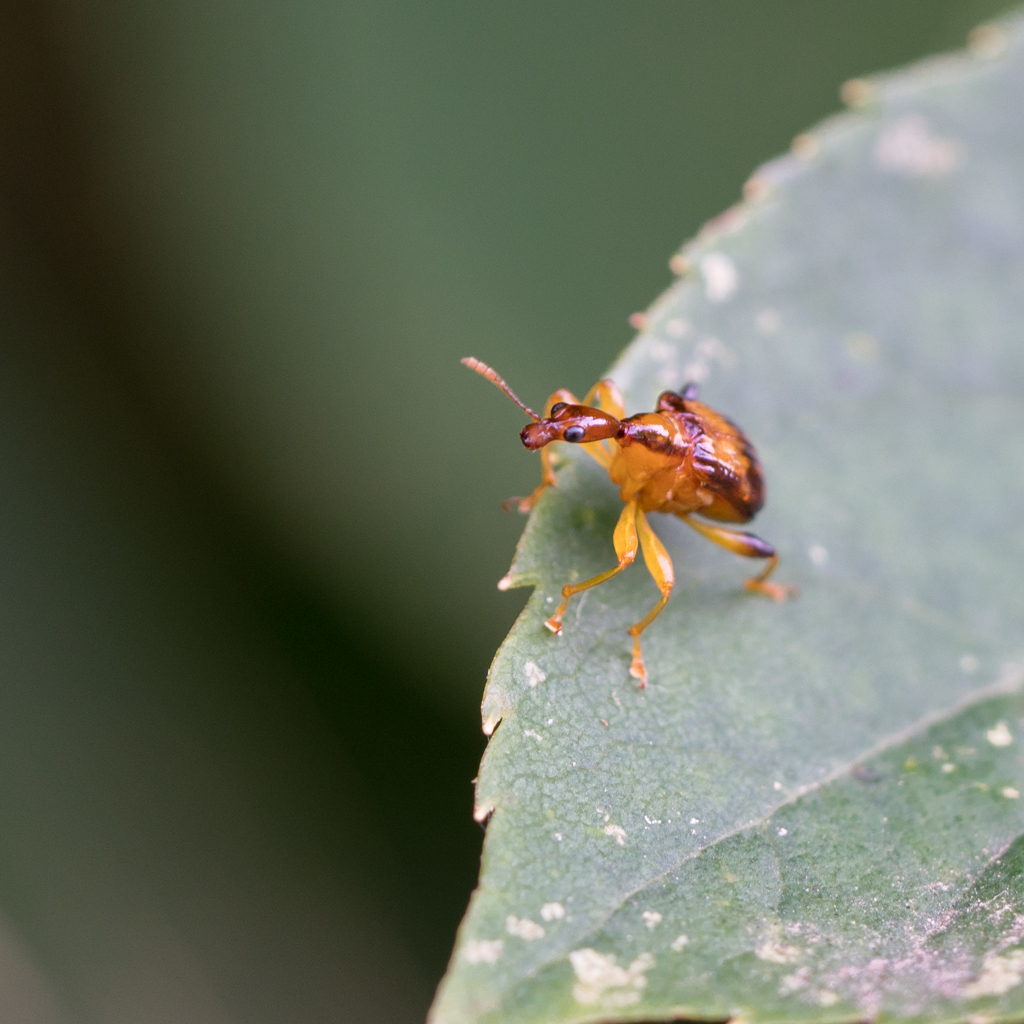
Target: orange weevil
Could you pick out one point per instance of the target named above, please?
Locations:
(683, 458)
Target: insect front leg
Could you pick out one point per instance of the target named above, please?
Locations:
(749, 546)
(625, 541)
(605, 395)
(659, 565)
(609, 400)
(547, 471)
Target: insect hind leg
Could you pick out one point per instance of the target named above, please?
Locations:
(748, 546)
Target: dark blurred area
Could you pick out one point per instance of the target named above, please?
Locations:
(249, 522)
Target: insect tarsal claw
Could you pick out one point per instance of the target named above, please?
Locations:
(638, 669)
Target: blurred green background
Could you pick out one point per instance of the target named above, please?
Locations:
(249, 501)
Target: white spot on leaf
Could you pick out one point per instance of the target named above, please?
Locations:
(618, 831)
(679, 942)
(677, 327)
(720, 277)
(776, 952)
(968, 664)
(523, 928)
(1010, 793)
(818, 554)
(998, 975)
(707, 349)
(533, 734)
(908, 146)
(600, 979)
(534, 674)
(552, 912)
(651, 919)
(483, 951)
(794, 982)
(999, 735)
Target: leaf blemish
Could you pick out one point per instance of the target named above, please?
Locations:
(523, 928)
(794, 982)
(909, 147)
(720, 277)
(534, 674)
(483, 951)
(677, 327)
(999, 735)
(552, 912)
(597, 974)
(618, 832)
(998, 975)
(698, 369)
(776, 952)
(662, 352)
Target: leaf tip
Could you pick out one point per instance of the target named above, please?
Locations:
(857, 93)
(805, 146)
(483, 811)
(679, 265)
(987, 41)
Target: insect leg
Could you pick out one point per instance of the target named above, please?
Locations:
(660, 567)
(625, 541)
(547, 472)
(606, 393)
(608, 398)
(749, 546)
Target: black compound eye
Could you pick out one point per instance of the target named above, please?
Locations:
(557, 408)
(574, 433)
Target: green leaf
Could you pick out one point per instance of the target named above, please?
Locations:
(814, 809)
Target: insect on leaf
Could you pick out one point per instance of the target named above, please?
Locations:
(815, 811)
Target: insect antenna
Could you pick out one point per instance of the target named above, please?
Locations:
(485, 371)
